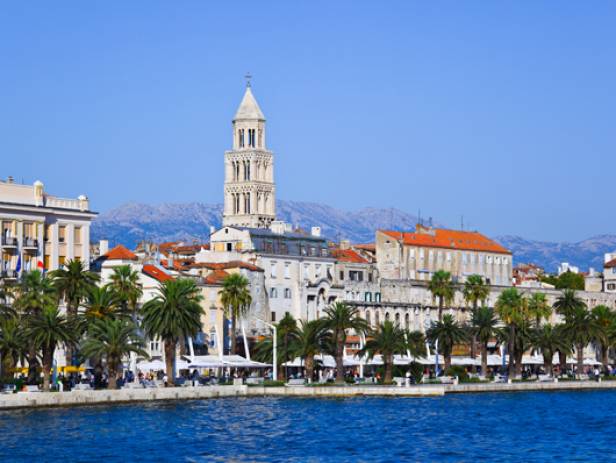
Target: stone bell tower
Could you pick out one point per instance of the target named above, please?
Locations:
(249, 170)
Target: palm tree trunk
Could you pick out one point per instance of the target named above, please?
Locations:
(518, 364)
(484, 359)
(309, 365)
(474, 352)
(113, 378)
(580, 360)
(604, 359)
(447, 360)
(440, 309)
(71, 313)
(169, 359)
(562, 360)
(389, 367)
(510, 349)
(47, 364)
(233, 340)
(32, 365)
(340, 359)
(547, 364)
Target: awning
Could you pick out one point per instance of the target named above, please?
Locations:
(232, 361)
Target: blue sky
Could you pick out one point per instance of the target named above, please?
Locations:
(501, 111)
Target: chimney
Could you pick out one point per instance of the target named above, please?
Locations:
(315, 231)
(103, 247)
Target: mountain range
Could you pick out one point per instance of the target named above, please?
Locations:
(133, 222)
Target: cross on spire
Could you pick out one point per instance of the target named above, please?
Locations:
(248, 77)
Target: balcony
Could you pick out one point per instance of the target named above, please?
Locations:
(8, 274)
(30, 243)
(8, 242)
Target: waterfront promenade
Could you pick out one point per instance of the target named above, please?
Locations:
(102, 397)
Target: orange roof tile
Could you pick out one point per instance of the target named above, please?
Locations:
(226, 265)
(216, 277)
(366, 246)
(449, 239)
(156, 273)
(610, 264)
(120, 253)
(348, 255)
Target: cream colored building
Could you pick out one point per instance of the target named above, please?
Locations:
(416, 256)
(39, 230)
(249, 198)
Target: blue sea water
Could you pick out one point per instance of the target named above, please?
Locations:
(563, 426)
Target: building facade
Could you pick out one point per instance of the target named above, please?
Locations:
(41, 231)
(249, 192)
(416, 256)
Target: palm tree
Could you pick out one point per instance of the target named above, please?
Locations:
(387, 340)
(605, 325)
(113, 339)
(72, 283)
(101, 302)
(309, 341)
(538, 308)
(339, 319)
(286, 340)
(173, 313)
(568, 302)
(13, 345)
(235, 298)
(448, 333)
(484, 327)
(580, 329)
(48, 329)
(33, 293)
(125, 283)
(475, 290)
(549, 339)
(509, 308)
(442, 288)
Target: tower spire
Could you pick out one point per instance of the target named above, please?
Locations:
(248, 76)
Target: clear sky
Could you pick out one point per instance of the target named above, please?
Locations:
(501, 111)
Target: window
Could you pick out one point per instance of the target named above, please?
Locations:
(47, 236)
(229, 247)
(448, 257)
(273, 269)
(397, 318)
(62, 233)
(273, 316)
(317, 270)
(241, 137)
(370, 277)
(313, 251)
(342, 274)
(421, 254)
(287, 271)
(356, 275)
(305, 272)
(412, 254)
(287, 293)
(407, 321)
(273, 293)
(464, 258)
(368, 318)
(431, 255)
(377, 297)
(368, 297)
(614, 270)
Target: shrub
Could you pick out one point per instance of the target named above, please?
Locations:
(271, 383)
(457, 370)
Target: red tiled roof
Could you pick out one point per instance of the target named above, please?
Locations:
(610, 264)
(156, 273)
(366, 246)
(216, 277)
(348, 255)
(226, 265)
(449, 239)
(190, 248)
(120, 253)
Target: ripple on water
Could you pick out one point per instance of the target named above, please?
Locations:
(568, 426)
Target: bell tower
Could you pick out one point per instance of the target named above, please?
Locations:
(249, 169)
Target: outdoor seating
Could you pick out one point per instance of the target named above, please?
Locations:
(82, 387)
(254, 380)
(296, 382)
(8, 389)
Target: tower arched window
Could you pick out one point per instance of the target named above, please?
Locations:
(237, 170)
(241, 137)
(247, 203)
(246, 170)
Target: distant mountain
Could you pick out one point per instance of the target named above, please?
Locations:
(133, 222)
(583, 254)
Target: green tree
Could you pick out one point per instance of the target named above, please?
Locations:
(286, 338)
(442, 288)
(475, 290)
(310, 340)
(13, 345)
(235, 298)
(568, 302)
(73, 283)
(580, 328)
(173, 313)
(484, 327)
(510, 309)
(448, 333)
(48, 329)
(538, 308)
(112, 340)
(605, 331)
(125, 283)
(388, 340)
(549, 339)
(33, 294)
(339, 319)
(101, 302)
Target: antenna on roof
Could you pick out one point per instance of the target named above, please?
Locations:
(419, 216)
(462, 222)
(248, 76)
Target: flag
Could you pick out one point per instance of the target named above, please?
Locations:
(18, 268)
(40, 265)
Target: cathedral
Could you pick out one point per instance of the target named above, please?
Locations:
(249, 170)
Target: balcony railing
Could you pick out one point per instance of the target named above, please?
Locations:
(8, 241)
(9, 274)
(30, 243)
